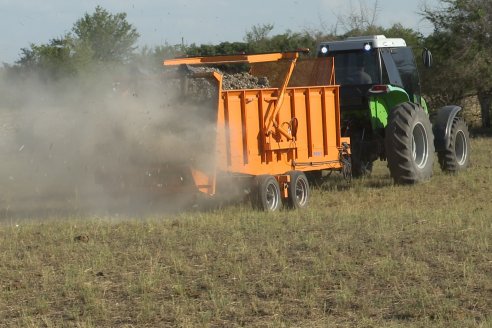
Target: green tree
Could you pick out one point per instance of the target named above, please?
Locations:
(463, 48)
(290, 41)
(223, 48)
(51, 60)
(150, 58)
(258, 33)
(99, 38)
(111, 37)
(258, 38)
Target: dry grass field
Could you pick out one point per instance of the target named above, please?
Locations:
(368, 254)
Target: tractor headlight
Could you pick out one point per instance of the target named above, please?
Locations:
(324, 50)
(367, 46)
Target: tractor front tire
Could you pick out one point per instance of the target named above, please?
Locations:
(409, 144)
(456, 156)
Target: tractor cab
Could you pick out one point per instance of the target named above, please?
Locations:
(372, 66)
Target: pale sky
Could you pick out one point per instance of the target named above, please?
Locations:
(23, 22)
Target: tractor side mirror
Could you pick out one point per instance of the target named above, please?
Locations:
(427, 57)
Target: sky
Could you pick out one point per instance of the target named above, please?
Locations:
(24, 22)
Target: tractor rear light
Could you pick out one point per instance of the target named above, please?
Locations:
(379, 88)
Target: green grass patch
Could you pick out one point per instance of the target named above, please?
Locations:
(369, 255)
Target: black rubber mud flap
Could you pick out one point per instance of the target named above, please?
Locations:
(441, 126)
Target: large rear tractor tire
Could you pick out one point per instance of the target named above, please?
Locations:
(456, 156)
(409, 144)
(266, 194)
(298, 190)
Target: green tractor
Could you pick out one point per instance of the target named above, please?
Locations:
(385, 115)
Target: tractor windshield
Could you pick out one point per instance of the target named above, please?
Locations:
(357, 67)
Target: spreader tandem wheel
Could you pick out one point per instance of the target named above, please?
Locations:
(266, 193)
(298, 190)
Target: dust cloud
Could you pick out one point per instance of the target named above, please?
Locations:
(105, 143)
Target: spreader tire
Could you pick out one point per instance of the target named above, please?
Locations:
(267, 196)
(409, 144)
(456, 155)
(298, 190)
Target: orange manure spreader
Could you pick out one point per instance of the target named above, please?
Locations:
(262, 142)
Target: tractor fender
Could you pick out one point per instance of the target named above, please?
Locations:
(442, 125)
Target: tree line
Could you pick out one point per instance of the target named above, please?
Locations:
(460, 43)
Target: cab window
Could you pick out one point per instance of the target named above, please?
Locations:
(405, 63)
(357, 68)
